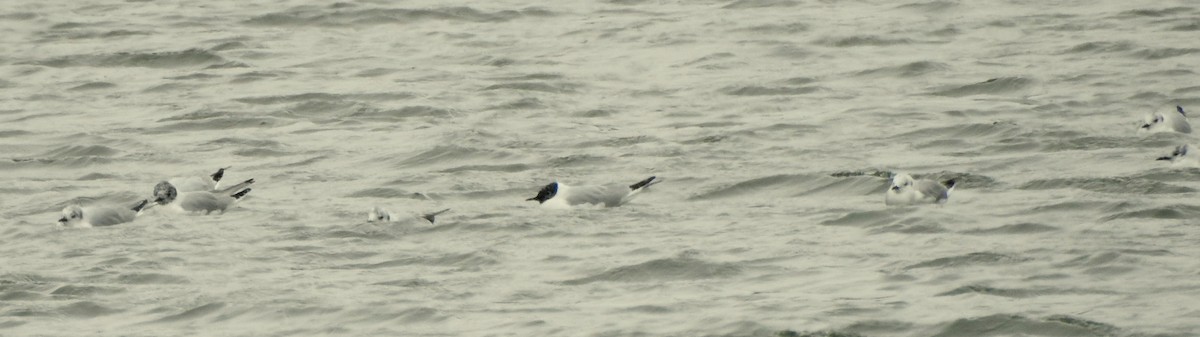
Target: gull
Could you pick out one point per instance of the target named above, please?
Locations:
(1182, 156)
(96, 216)
(907, 191)
(559, 195)
(378, 214)
(1168, 122)
(166, 194)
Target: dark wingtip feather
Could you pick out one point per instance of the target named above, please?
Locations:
(431, 216)
(949, 183)
(241, 194)
(1180, 109)
(140, 205)
(642, 183)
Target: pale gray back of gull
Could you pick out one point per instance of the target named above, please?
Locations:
(166, 194)
(96, 216)
(908, 191)
(559, 195)
(209, 182)
(1166, 122)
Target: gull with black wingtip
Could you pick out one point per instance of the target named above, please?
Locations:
(167, 195)
(559, 195)
(1183, 156)
(1168, 122)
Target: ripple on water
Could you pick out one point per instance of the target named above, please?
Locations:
(995, 86)
(669, 269)
(1015, 325)
(171, 59)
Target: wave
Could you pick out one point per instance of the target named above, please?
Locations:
(1101, 47)
(744, 4)
(1016, 325)
(315, 16)
(92, 86)
(85, 291)
(862, 40)
(150, 278)
(793, 185)
(1020, 228)
(1177, 211)
(1021, 292)
(400, 113)
(1001, 85)
(1155, 13)
(70, 151)
(470, 260)
(324, 96)
(86, 309)
(192, 314)
(913, 69)
(1119, 185)
(453, 154)
(755, 90)
(526, 103)
(1163, 53)
(384, 192)
(928, 7)
(972, 259)
(779, 28)
(221, 123)
(681, 268)
(557, 88)
(171, 59)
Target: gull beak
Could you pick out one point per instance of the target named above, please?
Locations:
(896, 188)
(62, 220)
(1164, 158)
(531, 199)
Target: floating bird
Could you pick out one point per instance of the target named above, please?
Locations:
(166, 194)
(97, 216)
(1168, 122)
(559, 195)
(378, 214)
(907, 191)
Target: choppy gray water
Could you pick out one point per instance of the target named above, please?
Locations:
(774, 122)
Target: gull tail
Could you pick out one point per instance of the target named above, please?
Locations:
(237, 187)
(241, 194)
(949, 185)
(644, 183)
(430, 216)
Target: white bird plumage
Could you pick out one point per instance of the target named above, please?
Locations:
(1166, 122)
(97, 216)
(905, 190)
(167, 195)
(559, 195)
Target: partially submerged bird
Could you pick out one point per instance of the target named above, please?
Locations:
(1166, 122)
(166, 194)
(1183, 156)
(378, 214)
(97, 216)
(908, 191)
(559, 195)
